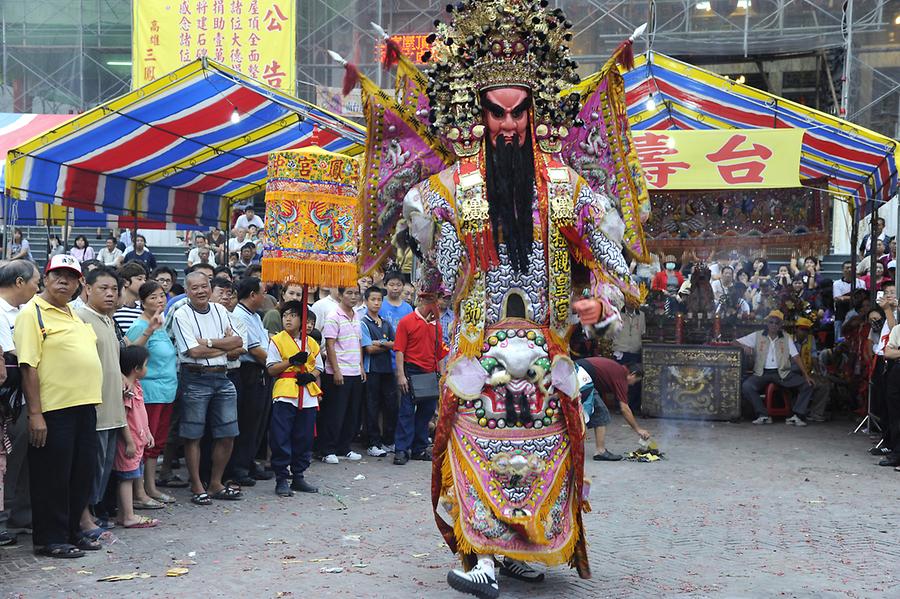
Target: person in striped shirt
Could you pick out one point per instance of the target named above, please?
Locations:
(343, 381)
(133, 275)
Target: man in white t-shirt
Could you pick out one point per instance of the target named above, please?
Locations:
(249, 218)
(200, 242)
(892, 401)
(204, 335)
(19, 280)
(111, 255)
(323, 308)
(840, 291)
(237, 242)
(775, 361)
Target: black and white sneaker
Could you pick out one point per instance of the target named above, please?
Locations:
(478, 581)
(520, 570)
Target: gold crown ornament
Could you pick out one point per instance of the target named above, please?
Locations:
(500, 43)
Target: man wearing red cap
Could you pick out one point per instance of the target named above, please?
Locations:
(61, 376)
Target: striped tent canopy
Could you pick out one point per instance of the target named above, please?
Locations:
(173, 150)
(16, 129)
(856, 162)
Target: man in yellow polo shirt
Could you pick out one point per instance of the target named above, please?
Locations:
(61, 375)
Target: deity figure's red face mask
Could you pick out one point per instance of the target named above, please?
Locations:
(506, 113)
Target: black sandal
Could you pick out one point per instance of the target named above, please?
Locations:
(86, 543)
(201, 499)
(62, 550)
(228, 493)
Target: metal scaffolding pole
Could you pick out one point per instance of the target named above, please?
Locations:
(848, 57)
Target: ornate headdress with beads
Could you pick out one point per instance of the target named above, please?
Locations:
(501, 43)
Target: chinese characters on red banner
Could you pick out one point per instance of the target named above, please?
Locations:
(254, 37)
(413, 46)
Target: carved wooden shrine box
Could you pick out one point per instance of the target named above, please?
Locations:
(691, 381)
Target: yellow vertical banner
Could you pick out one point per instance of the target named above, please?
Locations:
(254, 37)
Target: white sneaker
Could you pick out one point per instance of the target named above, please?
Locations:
(330, 459)
(478, 581)
(388, 448)
(353, 456)
(762, 420)
(376, 452)
(795, 421)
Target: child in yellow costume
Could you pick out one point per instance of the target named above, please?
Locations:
(295, 398)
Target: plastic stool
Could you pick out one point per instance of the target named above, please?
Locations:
(778, 400)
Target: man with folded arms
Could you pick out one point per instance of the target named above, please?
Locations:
(204, 335)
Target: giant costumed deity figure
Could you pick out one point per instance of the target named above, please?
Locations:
(478, 152)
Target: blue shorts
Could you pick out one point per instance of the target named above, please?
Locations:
(131, 474)
(211, 399)
(600, 415)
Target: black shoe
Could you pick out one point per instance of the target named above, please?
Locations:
(880, 451)
(245, 481)
(263, 475)
(422, 456)
(7, 539)
(890, 460)
(519, 570)
(301, 485)
(401, 458)
(607, 456)
(283, 489)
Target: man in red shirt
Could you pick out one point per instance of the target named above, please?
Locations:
(418, 348)
(611, 377)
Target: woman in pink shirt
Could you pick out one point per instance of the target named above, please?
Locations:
(82, 250)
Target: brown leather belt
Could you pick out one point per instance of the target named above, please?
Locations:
(201, 369)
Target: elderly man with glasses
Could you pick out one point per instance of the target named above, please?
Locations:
(775, 360)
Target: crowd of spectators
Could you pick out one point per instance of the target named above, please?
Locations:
(244, 382)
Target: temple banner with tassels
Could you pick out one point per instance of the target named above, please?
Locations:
(517, 192)
(311, 218)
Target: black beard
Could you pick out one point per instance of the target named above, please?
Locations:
(509, 174)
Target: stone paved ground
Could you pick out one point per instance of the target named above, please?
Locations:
(736, 511)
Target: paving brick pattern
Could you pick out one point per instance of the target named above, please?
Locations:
(735, 511)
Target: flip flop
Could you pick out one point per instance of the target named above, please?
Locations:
(62, 550)
(86, 543)
(201, 499)
(144, 522)
(148, 505)
(228, 494)
(94, 534)
(163, 498)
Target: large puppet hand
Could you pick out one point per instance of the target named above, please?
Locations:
(597, 316)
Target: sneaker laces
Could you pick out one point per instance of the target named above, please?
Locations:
(518, 567)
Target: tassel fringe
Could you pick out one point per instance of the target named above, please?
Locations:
(625, 54)
(465, 546)
(392, 54)
(351, 78)
(282, 270)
